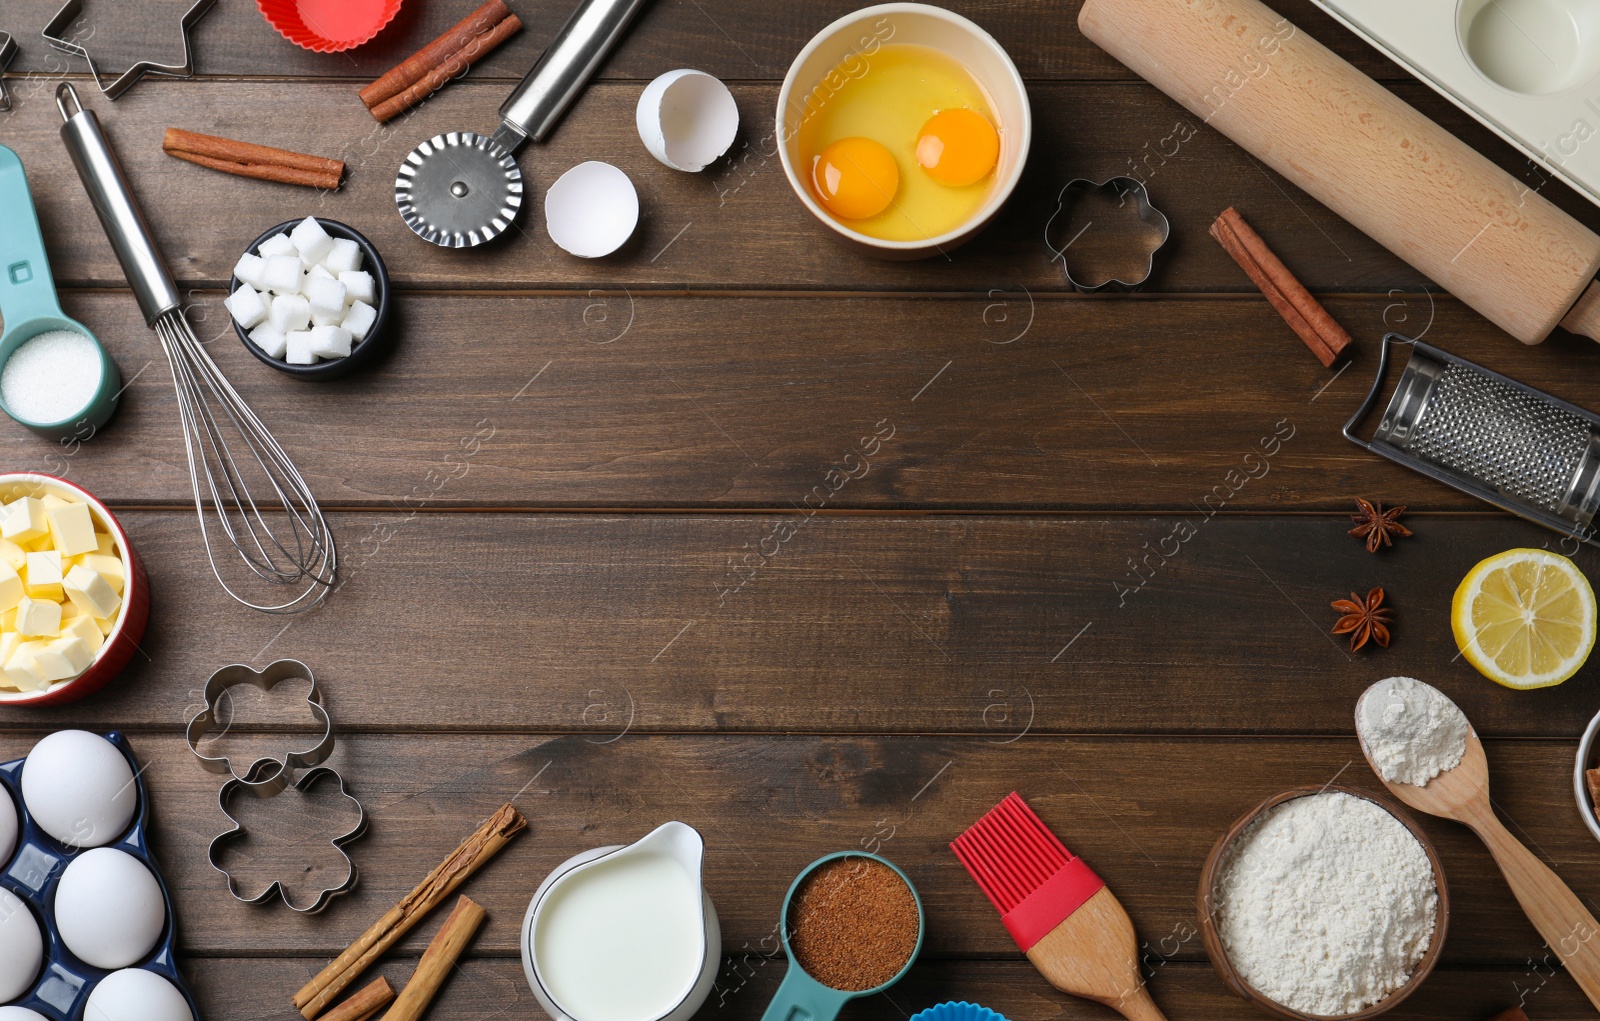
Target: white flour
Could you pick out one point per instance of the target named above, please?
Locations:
(1411, 730)
(1325, 904)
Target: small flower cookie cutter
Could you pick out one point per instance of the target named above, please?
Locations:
(1121, 261)
(54, 35)
(270, 777)
(277, 888)
(8, 51)
(258, 779)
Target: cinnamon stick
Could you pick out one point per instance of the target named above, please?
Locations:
(453, 67)
(372, 998)
(484, 843)
(426, 71)
(247, 159)
(1304, 314)
(443, 951)
(1592, 780)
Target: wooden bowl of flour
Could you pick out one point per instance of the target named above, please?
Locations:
(1236, 984)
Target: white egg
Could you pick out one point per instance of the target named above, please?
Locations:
(134, 994)
(108, 908)
(591, 209)
(686, 119)
(20, 1014)
(8, 830)
(79, 788)
(21, 946)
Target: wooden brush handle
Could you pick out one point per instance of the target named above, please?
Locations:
(1569, 930)
(1354, 146)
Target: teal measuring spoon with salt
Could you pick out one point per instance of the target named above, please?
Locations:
(801, 997)
(29, 307)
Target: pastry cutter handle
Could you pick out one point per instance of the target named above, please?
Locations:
(565, 67)
(26, 289)
(119, 213)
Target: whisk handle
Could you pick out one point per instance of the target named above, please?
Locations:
(119, 213)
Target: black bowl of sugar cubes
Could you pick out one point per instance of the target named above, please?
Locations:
(310, 298)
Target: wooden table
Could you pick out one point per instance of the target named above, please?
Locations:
(559, 505)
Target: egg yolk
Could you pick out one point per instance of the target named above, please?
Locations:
(855, 178)
(958, 147)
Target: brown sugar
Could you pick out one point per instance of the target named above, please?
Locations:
(853, 924)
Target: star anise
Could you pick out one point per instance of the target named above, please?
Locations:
(1363, 619)
(1377, 525)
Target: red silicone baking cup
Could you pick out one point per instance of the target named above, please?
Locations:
(328, 26)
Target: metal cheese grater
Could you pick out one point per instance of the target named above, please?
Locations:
(1485, 434)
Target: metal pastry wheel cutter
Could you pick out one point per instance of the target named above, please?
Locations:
(460, 189)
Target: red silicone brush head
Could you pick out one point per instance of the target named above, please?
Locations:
(1025, 871)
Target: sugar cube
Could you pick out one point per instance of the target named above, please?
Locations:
(330, 341)
(360, 319)
(289, 312)
(271, 340)
(42, 576)
(89, 590)
(249, 269)
(282, 275)
(344, 255)
(319, 270)
(358, 286)
(326, 296)
(72, 529)
(321, 318)
(11, 587)
(310, 240)
(277, 244)
(299, 349)
(246, 306)
(24, 520)
(42, 618)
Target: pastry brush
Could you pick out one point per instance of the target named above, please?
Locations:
(1060, 913)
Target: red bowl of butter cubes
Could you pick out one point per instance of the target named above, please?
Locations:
(310, 298)
(74, 593)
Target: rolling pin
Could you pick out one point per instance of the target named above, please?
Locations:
(1361, 151)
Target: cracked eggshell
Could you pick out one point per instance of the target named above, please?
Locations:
(687, 119)
(591, 210)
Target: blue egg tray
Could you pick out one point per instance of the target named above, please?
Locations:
(34, 872)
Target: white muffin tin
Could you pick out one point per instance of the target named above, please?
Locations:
(1529, 70)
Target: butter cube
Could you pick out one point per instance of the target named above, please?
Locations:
(43, 576)
(51, 501)
(41, 617)
(73, 529)
(11, 553)
(69, 610)
(8, 644)
(25, 520)
(90, 591)
(8, 620)
(63, 658)
(84, 629)
(105, 626)
(109, 568)
(11, 588)
(21, 672)
(103, 543)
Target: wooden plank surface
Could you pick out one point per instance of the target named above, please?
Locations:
(570, 623)
(737, 225)
(1143, 811)
(988, 401)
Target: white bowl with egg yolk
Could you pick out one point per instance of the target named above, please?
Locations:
(856, 37)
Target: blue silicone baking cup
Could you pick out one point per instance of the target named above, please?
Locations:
(957, 1010)
(33, 873)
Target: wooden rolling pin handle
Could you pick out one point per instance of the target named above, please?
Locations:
(1583, 318)
(1569, 930)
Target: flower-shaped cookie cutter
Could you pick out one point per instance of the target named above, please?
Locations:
(268, 776)
(277, 888)
(1134, 251)
(54, 34)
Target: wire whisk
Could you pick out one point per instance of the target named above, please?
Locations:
(232, 456)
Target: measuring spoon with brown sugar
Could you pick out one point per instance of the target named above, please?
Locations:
(1461, 794)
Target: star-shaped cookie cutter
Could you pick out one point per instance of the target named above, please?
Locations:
(8, 50)
(268, 776)
(276, 888)
(69, 12)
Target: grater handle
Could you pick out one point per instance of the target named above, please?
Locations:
(1389, 339)
(119, 212)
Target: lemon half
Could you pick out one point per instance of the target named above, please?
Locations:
(1525, 618)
